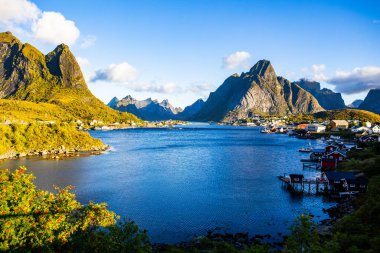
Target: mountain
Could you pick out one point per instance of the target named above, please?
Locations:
(260, 91)
(372, 101)
(328, 99)
(191, 110)
(356, 103)
(147, 109)
(55, 78)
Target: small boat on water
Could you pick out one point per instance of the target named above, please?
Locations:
(266, 131)
(306, 150)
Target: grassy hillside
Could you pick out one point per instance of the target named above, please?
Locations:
(348, 114)
(26, 138)
(83, 105)
(17, 111)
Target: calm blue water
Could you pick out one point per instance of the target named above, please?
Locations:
(177, 183)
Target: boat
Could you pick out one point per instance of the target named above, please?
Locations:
(305, 150)
(265, 131)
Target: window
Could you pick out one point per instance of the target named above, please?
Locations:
(352, 185)
(362, 186)
(337, 181)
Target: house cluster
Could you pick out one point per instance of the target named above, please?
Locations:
(330, 156)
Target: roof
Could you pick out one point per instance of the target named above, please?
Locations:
(338, 175)
(295, 175)
(338, 152)
(340, 121)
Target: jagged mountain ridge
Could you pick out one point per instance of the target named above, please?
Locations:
(259, 90)
(328, 99)
(147, 109)
(152, 110)
(27, 74)
(372, 101)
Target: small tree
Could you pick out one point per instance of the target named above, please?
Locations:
(303, 237)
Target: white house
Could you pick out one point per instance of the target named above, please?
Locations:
(360, 129)
(368, 124)
(376, 129)
(316, 128)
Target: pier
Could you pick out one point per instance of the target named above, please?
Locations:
(297, 183)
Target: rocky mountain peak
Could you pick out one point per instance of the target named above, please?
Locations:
(8, 37)
(263, 68)
(62, 63)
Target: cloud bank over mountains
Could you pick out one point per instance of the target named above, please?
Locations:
(357, 80)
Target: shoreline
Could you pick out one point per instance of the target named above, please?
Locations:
(55, 153)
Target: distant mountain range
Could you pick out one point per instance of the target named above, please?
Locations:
(152, 110)
(355, 104)
(259, 91)
(56, 78)
(328, 99)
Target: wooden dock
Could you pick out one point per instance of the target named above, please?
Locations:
(306, 185)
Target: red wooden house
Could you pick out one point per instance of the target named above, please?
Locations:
(331, 160)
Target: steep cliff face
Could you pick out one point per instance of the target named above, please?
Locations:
(372, 101)
(259, 90)
(27, 74)
(298, 99)
(328, 99)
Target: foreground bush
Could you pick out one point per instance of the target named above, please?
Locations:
(37, 220)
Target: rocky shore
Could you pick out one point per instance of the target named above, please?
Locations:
(55, 153)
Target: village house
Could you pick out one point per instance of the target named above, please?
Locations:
(360, 129)
(337, 125)
(331, 160)
(376, 129)
(345, 181)
(316, 128)
(367, 124)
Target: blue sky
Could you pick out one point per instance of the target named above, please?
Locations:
(179, 49)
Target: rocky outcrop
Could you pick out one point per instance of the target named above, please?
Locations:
(328, 99)
(260, 91)
(372, 101)
(147, 109)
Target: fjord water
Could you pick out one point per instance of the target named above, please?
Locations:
(183, 181)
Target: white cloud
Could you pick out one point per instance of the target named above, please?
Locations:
(358, 80)
(316, 72)
(118, 73)
(201, 89)
(167, 88)
(236, 60)
(24, 17)
(17, 11)
(54, 28)
(88, 41)
(82, 61)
